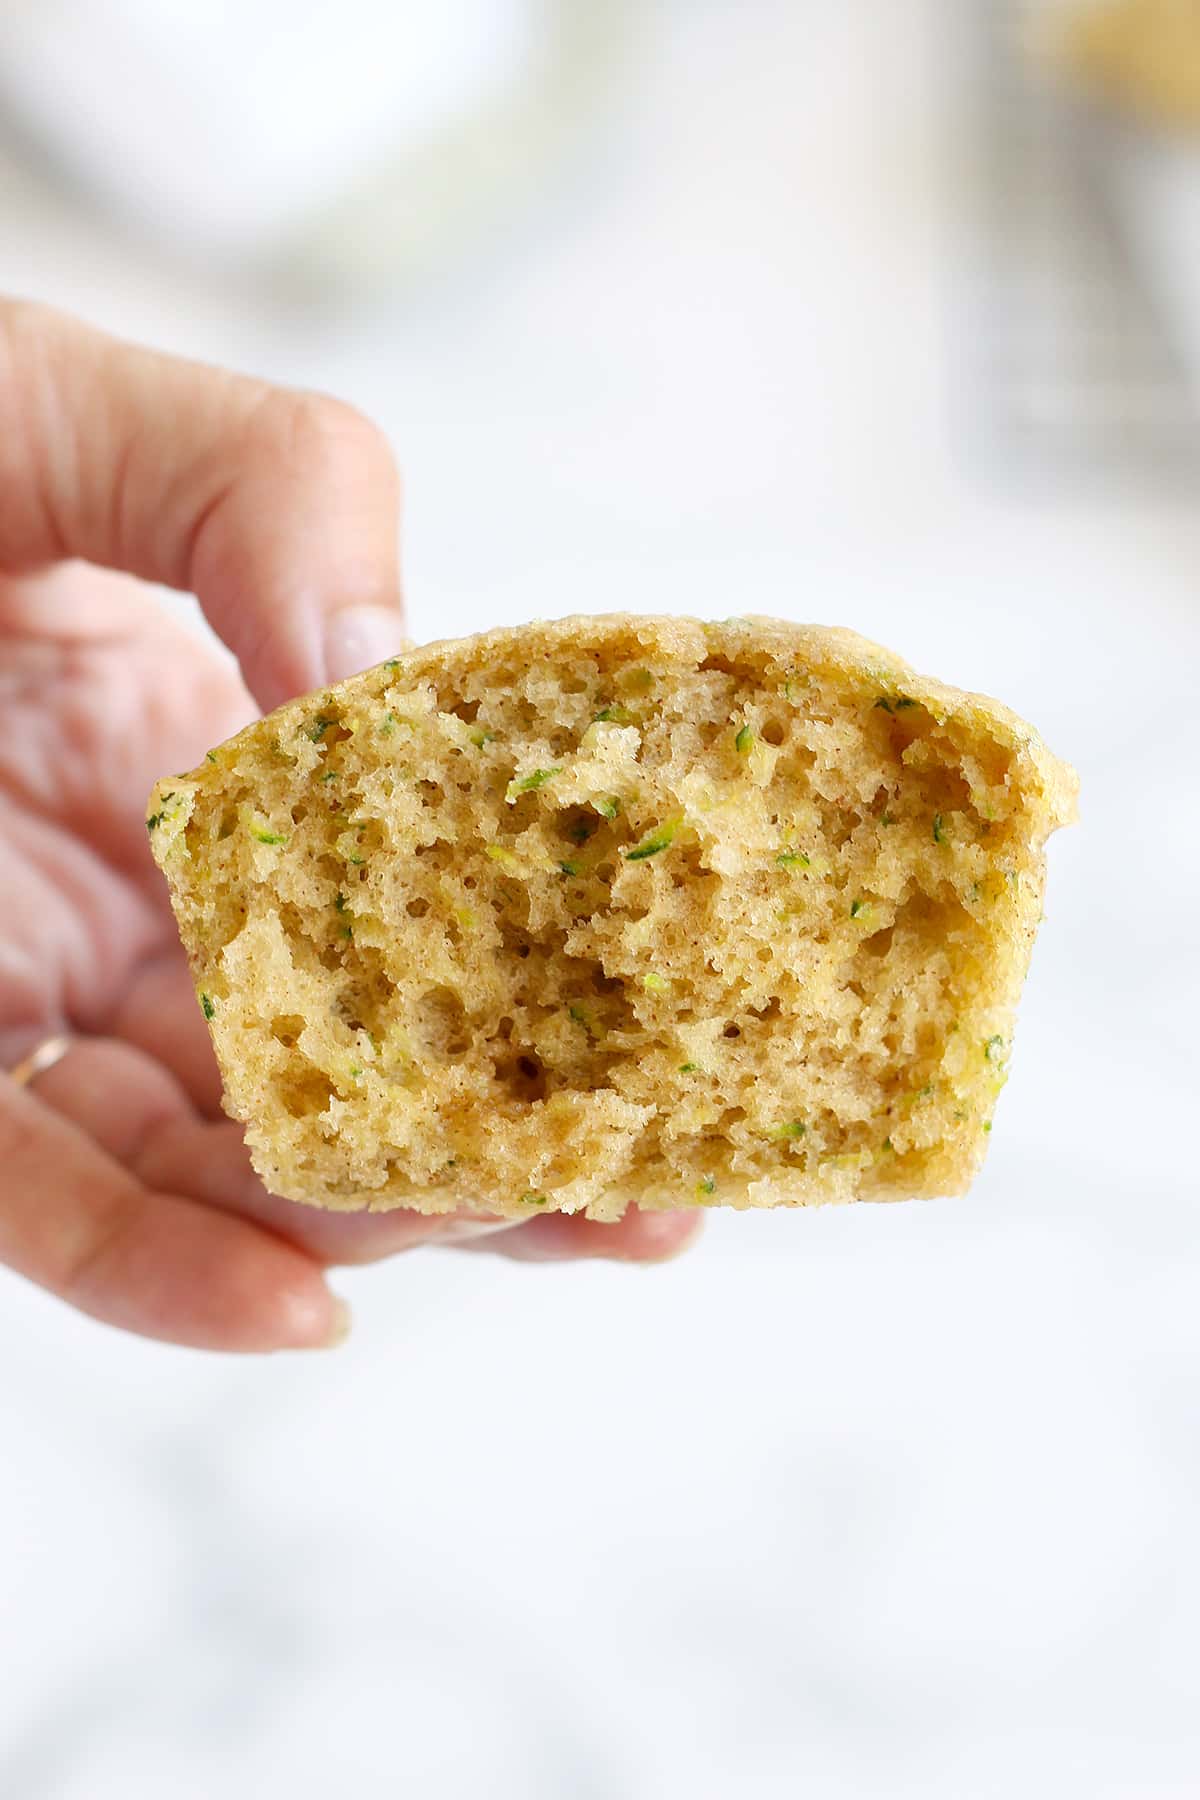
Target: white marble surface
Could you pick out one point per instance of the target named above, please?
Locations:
(872, 1502)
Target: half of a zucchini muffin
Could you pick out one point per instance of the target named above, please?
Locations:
(618, 909)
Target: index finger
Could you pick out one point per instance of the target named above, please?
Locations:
(278, 509)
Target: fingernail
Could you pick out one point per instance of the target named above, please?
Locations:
(340, 1329)
(664, 1236)
(462, 1231)
(358, 637)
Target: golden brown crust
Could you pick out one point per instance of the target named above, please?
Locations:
(575, 914)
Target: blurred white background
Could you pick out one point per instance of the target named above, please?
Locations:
(874, 1502)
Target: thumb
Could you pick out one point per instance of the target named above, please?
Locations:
(278, 509)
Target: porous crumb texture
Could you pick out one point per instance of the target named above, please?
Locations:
(611, 910)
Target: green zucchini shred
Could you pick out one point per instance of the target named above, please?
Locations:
(651, 846)
(529, 784)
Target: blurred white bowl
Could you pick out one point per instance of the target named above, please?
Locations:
(342, 142)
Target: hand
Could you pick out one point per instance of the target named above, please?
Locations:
(122, 1187)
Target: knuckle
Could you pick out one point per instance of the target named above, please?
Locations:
(25, 322)
(64, 1245)
(26, 332)
(18, 1132)
(318, 429)
(36, 343)
(85, 1263)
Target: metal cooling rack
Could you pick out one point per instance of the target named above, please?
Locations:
(1074, 367)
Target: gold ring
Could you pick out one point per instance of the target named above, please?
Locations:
(51, 1050)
